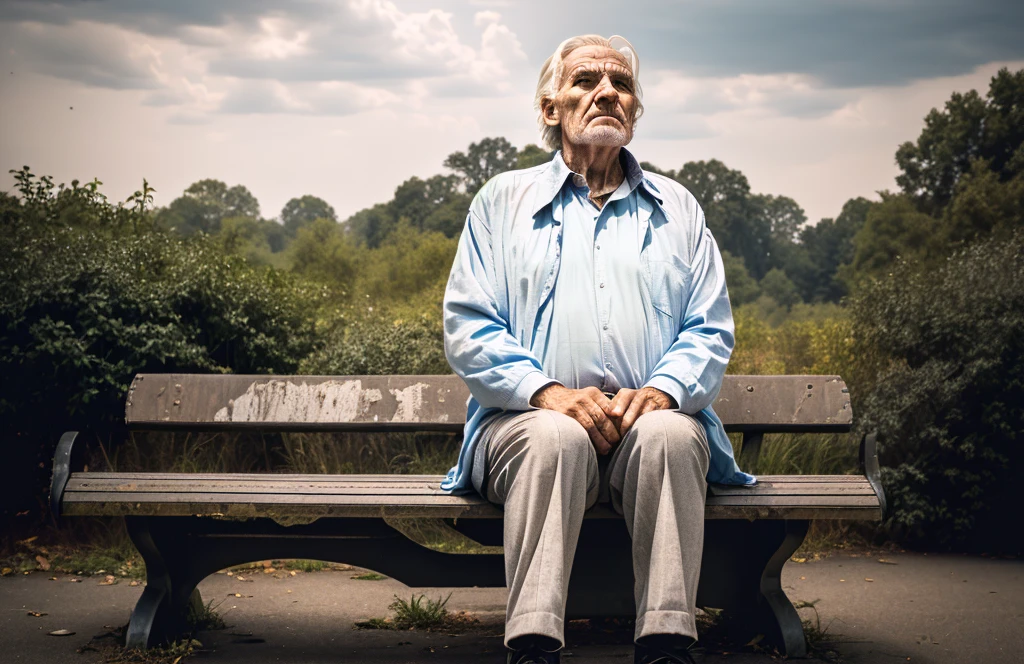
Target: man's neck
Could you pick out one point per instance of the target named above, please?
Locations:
(599, 165)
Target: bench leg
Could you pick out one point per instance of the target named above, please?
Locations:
(161, 614)
(772, 614)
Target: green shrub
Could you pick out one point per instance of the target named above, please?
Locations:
(941, 355)
(92, 294)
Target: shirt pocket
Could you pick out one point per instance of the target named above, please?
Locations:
(666, 283)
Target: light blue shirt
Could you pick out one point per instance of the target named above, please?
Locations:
(514, 310)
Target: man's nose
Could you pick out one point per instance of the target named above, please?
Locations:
(606, 91)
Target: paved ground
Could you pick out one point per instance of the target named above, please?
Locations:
(923, 608)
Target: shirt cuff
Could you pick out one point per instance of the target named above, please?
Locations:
(528, 386)
(671, 387)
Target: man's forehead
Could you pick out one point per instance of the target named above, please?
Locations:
(595, 56)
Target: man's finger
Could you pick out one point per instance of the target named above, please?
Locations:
(596, 437)
(650, 406)
(632, 413)
(621, 402)
(607, 428)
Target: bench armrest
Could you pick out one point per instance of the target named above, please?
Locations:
(871, 469)
(61, 471)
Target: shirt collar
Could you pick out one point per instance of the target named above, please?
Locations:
(557, 172)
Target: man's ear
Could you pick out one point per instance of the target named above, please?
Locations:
(549, 112)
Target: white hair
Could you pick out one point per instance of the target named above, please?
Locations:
(552, 71)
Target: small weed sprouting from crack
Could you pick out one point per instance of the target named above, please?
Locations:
(420, 613)
(817, 636)
(204, 616)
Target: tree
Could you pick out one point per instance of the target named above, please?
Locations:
(828, 246)
(892, 229)
(780, 288)
(533, 155)
(724, 194)
(969, 127)
(783, 216)
(298, 212)
(205, 203)
(323, 251)
(371, 226)
(982, 205)
(482, 161)
(742, 288)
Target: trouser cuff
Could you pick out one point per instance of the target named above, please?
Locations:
(666, 622)
(539, 622)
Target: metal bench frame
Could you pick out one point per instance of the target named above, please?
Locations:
(188, 527)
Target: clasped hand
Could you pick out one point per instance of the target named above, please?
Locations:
(606, 420)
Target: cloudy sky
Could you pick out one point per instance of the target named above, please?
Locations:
(346, 99)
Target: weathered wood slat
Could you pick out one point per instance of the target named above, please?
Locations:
(437, 403)
(242, 506)
(269, 485)
(435, 479)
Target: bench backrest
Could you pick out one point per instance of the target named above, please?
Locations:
(764, 404)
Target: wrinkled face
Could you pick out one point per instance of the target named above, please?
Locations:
(596, 102)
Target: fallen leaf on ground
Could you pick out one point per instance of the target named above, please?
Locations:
(108, 580)
(29, 540)
(134, 583)
(757, 639)
(799, 560)
(76, 580)
(61, 632)
(37, 614)
(887, 562)
(6, 571)
(44, 564)
(869, 579)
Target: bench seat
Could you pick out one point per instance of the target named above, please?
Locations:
(848, 497)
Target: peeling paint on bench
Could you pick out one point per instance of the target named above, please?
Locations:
(285, 401)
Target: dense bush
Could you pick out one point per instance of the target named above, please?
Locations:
(941, 355)
(92, 294)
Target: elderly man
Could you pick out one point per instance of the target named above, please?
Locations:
(588, 314)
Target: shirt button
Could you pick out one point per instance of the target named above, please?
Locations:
(602, 284)
(598, 246)
(608, 365)
(606, 327)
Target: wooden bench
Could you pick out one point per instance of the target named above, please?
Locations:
(188, 526)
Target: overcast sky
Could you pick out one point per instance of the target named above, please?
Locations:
(345, 100)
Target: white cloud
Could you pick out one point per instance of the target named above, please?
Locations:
(372, 54)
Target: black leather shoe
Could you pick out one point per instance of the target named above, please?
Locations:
(665, 650)
(533, 654)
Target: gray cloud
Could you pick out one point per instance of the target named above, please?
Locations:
(839, 44)
(845, 43)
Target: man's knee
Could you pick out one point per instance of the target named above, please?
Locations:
(553, 438)
(670, 435)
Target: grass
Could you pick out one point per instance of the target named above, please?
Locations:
(817, 636)
(204, 616)
(803, 454)
(418, 613)
(370, 576)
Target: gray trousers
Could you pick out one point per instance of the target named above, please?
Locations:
(543, 468)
